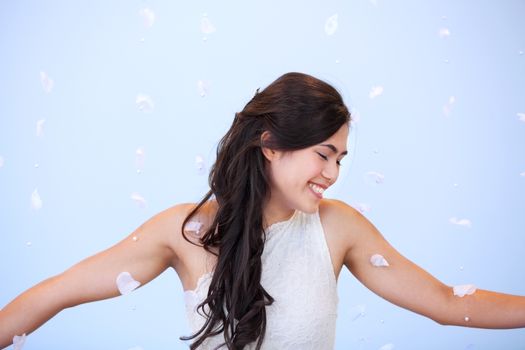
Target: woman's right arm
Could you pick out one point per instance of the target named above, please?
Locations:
(145, 253)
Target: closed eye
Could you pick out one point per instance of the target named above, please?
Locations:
(326, 158)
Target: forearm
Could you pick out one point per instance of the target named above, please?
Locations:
(29, 311)
(485, 309)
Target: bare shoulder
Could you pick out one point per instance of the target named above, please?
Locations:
(339, 221)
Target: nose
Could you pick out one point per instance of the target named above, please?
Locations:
(330, 172)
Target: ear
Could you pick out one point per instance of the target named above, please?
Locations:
(268, 153)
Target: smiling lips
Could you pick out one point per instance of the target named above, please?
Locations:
(317, 189)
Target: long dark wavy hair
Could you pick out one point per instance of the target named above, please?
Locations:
(298, 111)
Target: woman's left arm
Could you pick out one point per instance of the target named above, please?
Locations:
(407, 285)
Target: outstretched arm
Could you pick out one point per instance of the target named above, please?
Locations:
(147, 252)
(409, 286)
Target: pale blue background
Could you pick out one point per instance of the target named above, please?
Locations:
(467, 164)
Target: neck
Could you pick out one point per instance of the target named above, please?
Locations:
(274, 211)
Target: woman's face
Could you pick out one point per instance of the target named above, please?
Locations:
(299, 178)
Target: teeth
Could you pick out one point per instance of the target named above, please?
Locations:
(316, 188)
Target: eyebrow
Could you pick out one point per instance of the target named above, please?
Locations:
(333, 148)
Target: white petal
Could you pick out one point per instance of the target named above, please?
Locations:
(374, 178)
(362, 207)
(193, 226)
(388, 346)
(522, 117)
(138, 199)
(139, 158)
(357, 311)
(444, 32)
(1, 161)
(522, 173)
(206, 26)
(465, 289)
(144, 103)
(203, 87)
(331, 24)
(40, 127)
(375, 91)
(36, 201)
(126, 283)
(460, 222)
(19, 341)
(149, 17)
(378, 260)
(47, 82)
(200, 165)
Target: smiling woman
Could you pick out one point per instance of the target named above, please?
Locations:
(259, 256)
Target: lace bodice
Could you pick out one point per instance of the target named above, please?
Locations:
(297, 272)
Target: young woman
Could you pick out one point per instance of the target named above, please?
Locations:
(259, 256)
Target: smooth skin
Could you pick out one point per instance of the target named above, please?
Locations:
(351, 239)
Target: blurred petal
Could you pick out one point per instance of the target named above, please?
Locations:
(1, 161)
(522, 117)
(200, 165)
(331, 24)
(138, 199)
(144, 103)
(375, 91)
(522, 174)
(36, 201)
(139, 158)
(206, 26)
(465, 289)
(19, 341)
(444, 32)
(126, 283)
(203, 87)
(47, 82)
(388, 346)
(357, 311)
(362, 207)
(193, 226)
(40, 127)
(148, 16)
(460, 222)
(374, 178)
(378, 260)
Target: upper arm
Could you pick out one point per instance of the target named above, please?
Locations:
(402, 282)
(145, 253)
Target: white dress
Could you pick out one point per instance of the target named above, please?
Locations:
(297, 272)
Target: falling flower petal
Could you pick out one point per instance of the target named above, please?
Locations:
(193, 226)
(139, 158)
(357, 311)
(126, 283)
(522, 117)
(460, 222)
(375, 91)
(47, 82)
(36, 201)
(138, 199)
(378, 260)
(465, 289)
(444, 32)
(40, 127)
(522, 174)
(388, 346)
(204, 87)
(149, 17)
(374, 178)
(206, 26)
(200, 165)
(144, 103)
(19, 341)
(362, 207)
(1, 161)
(331, 24)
